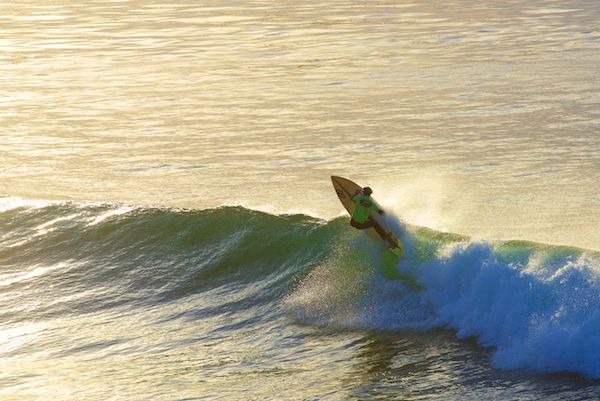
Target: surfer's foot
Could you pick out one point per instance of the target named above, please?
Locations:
(392, 241)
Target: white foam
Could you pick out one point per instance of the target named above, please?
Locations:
(535, 320)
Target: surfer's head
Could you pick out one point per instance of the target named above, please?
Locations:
(367, 191)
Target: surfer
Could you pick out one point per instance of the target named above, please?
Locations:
(361, 217)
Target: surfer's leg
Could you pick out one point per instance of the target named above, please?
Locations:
(360, 226)
(370, 223)
(382, 233)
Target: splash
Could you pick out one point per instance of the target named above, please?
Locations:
(539, 308)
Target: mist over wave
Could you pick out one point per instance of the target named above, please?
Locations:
(537, 307)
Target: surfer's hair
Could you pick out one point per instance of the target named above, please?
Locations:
(367, 191)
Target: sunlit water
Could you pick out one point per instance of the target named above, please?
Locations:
(480, 118)
(477, 118)
(483, 118)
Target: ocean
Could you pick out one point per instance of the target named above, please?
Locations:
(169, 230)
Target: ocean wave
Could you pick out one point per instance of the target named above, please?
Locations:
(537, 307)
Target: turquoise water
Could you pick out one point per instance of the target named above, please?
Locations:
(169, 230)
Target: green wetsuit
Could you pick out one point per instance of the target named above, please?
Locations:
(361, 217)
(363, 206)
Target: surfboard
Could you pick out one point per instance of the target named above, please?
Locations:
(346, 190)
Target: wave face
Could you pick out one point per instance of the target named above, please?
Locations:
(142, 255)
(536, 307)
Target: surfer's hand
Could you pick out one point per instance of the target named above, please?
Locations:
(381, 212)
